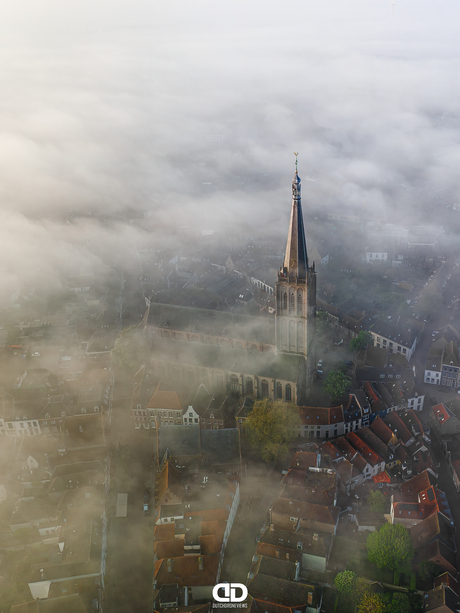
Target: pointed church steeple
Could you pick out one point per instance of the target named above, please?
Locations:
(295, 298)
(295, 258)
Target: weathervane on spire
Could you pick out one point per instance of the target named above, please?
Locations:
(296, 154)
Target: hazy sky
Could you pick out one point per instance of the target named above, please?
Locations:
(107, 105)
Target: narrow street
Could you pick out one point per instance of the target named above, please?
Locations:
(257, 492)
(129, 578)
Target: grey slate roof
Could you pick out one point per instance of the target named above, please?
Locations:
(221, 446)
(215, 323)
(180, 440)
(263, 364)
(403, 334)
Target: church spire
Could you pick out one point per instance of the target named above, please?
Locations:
(295, 258)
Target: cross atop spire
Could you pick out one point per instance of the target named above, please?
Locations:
(296, 154)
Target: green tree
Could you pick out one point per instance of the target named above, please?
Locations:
(371, 603)
(428, 570)
(391, 547)
(131, 349)
(362, 587)
(336, 384)
(271, 426)
(345, 582)
(360, 342)
(377, 501)
(400, 603)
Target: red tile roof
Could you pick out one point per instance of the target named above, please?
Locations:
(165, 532)
(166, 400)
(379, 427)
(276, 551)
(368, 454)
(412, 510)
(169, 549)
(382, 477)
(212, 536)
(351, 454)
(434, 526)
(346, 471)
(295, 477)
(320, 416)
(306, 510)
(371, 392)
(186, 570)
(303, 460)
(329, 449)
(396, 423)
(441, 413)
(270, 607)
(418, 484)
(315, 495)
(447, 579)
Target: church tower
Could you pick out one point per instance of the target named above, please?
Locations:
(295, 297)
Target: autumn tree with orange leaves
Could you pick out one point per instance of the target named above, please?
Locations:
(271, 426)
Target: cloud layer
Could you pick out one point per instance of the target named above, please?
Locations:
(192, 111)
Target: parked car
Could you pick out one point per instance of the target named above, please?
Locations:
(146, 508)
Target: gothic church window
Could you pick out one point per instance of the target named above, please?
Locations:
(292, 303)
(288, 392)
(299, 303)
(264, 389)
(234, 386)
(279, 391)
(285, 301)
(249, 386)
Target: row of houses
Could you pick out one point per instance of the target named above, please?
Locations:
(398, 440)
(398, 335)
(90, 393)
(376, 399)
(422, 507)
(303, 519)
(197, 494)
(59, 487)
